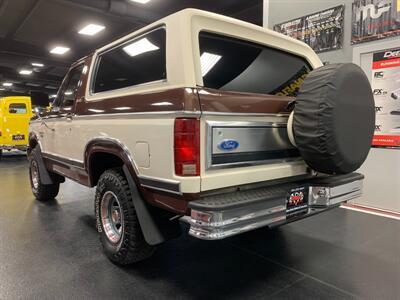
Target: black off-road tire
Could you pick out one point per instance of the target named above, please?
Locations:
(131, 246)
(42, 192)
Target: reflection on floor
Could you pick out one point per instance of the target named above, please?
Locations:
(51, 250)
(372, 211)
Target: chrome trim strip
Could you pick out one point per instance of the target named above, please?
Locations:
(160, 189)
(120, 91)
(209, 138)
(177, 113)
(256, 163)
(138, 114)
(64, 160)
(165, 185)
(215, 113)
(261, 123)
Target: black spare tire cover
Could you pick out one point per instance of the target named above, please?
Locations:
(334, 118)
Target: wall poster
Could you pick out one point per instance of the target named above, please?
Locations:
(386, 88)
(374, 19)
(322, 31)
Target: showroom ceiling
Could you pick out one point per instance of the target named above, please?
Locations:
(30, 29)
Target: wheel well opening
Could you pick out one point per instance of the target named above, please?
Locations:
(100, 162)
(32, 144)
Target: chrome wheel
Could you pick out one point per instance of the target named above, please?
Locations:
(34, 175)
(111, 217)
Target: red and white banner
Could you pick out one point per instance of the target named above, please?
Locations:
(386, 89)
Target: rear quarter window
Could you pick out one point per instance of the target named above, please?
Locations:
(233, 64)
(139, 61)
(17, 108)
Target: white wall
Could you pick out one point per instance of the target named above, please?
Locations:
(382, 168)
(279, 11)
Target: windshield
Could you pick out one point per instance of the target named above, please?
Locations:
(231, 64)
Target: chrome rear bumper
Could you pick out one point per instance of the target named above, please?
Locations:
(12, 147)
(220, 216)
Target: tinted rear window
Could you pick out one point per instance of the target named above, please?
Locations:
(17, 108)
(235, 65)
(136, 62)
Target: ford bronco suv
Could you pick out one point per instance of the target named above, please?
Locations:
(203, 120)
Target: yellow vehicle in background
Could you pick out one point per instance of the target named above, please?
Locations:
(15, 114)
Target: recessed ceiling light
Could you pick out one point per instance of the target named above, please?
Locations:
(139, 47)
(35, 64)
(91, 29)
(141, 1)
(25, 72)
(208, 61)
(32, 84)
(59, 50)
(7, 84)
(2, 89)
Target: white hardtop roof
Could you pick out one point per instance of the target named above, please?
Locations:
(187, 16)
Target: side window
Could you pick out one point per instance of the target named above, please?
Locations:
(135, 62)
(17, 108)
(68, 90)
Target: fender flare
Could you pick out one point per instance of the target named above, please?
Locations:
(110, 146)
(32, 139)
(155, 226)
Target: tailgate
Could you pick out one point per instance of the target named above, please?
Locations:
(245, 139)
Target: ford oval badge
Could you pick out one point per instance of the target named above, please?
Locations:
(228, 145)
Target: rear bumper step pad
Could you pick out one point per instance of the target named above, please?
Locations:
(220, 216)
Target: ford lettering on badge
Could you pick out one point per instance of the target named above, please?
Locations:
(228, 145)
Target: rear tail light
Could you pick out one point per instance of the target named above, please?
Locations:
(187, 147)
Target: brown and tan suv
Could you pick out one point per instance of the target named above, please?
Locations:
(206, 120)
